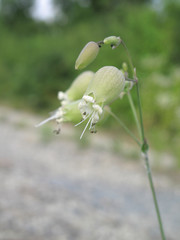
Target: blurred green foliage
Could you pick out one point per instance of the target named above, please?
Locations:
(37, 59)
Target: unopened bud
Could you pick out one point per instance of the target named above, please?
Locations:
(113, 41)
(125, 67)
(87, 55)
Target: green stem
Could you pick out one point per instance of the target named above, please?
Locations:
(134, 113)
(124, 126)
(144, 150)
(144, 147)
(128, 55)
(154, 196)
(140, 113)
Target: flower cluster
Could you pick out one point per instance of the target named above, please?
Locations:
(86, 98)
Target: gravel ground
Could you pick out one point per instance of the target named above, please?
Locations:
(53, 188)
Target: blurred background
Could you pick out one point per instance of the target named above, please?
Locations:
(39, 43)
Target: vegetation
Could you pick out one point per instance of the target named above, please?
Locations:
(35, 63)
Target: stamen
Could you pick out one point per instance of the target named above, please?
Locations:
(57, 114)
(91, 120)
(85, 127)
(57, 131)
(46, 120)
(82, 120)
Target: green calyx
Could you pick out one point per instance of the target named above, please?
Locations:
(106, 85)
(79, 86)
(71, 112)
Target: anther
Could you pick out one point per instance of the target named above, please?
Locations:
(57, 131)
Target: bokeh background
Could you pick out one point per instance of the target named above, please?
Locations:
(39, 43)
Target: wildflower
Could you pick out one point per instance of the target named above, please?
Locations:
(104, 88)
(67, 113)
(87, 55)
(113, 41)
(77, 88)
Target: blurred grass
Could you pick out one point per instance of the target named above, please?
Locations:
(37, 60)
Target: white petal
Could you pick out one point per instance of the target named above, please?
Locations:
(88, 98)
(97, 108)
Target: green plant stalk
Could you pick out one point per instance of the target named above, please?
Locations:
(144, 150)
(144, 147)
(128, 55)
(140, 113)
(134, 113)
(154, 195)
(124, 127)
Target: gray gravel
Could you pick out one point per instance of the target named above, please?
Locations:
(53, 188)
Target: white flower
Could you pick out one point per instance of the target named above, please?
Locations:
(106, 85)
(89, 109)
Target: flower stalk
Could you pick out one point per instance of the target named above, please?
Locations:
(144, 149)
(134, 113)
(144, 146)
(124, 127)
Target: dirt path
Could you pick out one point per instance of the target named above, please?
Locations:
(53, 188)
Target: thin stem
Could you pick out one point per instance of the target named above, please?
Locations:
(148, 166)
(128, 55)
(134, 114)
(140, 113)
(144, 147)
(154, 196)
(124, 126)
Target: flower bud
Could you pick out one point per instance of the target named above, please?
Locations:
(113, 41)
(125, 67)
(87, 55)
(107, 84)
